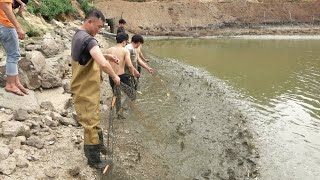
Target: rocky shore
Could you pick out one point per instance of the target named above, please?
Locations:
(39, 134)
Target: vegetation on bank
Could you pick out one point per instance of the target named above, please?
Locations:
(52, 9)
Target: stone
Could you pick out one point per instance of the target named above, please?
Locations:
(56, 97)
(4, 152)
(47, 105)
(8, 166)
(75, 171)
(35, 141)
(68, 121)
(5, 117)
(13, 128)
(20, 114)
(22, 139)
(50, 172)
(12, 101)
(15, 143)
(22, 162)
(48, 120)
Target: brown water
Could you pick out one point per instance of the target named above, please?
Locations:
(279, 81)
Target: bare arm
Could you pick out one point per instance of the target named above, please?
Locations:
(104, 64)
(141, 54)
(111, 57)
(144, 65)
(6, 8)
(127, 60)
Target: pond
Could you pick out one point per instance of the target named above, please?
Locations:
(279, 81)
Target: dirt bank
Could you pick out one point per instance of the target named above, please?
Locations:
(215, 17)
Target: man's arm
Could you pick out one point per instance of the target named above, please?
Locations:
(128, 62)
(144, 65)
(104, 64)
(111, 57)
(141, 55)
(6, 8)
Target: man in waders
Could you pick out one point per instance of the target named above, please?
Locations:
(123, 54)
(136, 41)
(87, 63)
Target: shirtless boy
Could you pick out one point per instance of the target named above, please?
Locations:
(123, 55)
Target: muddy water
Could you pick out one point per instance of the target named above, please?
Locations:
(277, 83)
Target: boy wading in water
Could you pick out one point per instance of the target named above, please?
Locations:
(123, 54)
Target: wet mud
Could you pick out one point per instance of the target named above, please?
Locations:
(184, 124)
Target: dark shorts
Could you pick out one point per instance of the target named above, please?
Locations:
(15, 4)
(126, 79)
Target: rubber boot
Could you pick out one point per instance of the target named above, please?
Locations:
(92, 152)
(103, 148)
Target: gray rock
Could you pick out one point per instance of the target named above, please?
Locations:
(51, 46)
(55, 96)
(8, 166)
(55, 116)
(5, 117)
(22, 162)
(32, 47)
(13, 128)
(35, 141)
(47, 105)
(21, 114)
(68, 121)
(4, 152)
(12, 101)
(60, 25)
(66, 86)
(48, 120)
(22, 139)
(53, 72)
(50, 172)
(15, 143)
(27, 131)
(75, 171)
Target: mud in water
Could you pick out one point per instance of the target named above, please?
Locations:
(185, 124)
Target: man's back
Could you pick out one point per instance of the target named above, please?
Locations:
(120, 53)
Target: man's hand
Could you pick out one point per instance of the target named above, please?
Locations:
(136, 73)
(112, 58)
(116, 80)
(23, 6)
(150, 70)
(21, 33)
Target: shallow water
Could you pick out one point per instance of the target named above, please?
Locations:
(279, 81)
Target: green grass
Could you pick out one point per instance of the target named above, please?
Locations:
(84, 5)
(50, 9)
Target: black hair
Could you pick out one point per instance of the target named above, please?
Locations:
(122, 37)
(122, 21)
(95, 13)
(137, 38)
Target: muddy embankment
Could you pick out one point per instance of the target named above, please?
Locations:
(185, 124)
(208, 17)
